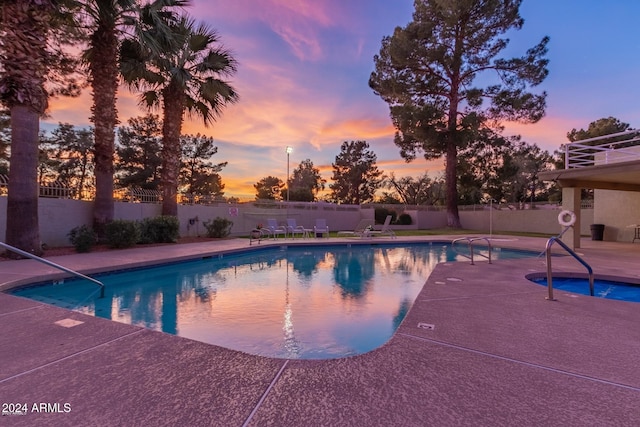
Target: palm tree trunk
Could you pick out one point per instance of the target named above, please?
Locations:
(22, 201)
(25, 25)
(104, 81)
(171, 129)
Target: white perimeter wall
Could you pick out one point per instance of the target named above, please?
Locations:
(58, 216)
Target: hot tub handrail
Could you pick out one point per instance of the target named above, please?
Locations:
(557, 240)
(470, 241)
(53, 264)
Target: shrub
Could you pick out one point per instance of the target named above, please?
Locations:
(404, 219)
(219, 227)
(122, 233)
(161, 229)
(82, 238)
(380, 214)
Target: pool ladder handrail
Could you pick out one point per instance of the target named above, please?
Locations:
(470, 241)
(54, 265)
(557, 240)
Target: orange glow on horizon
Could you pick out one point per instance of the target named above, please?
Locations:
(303, 70)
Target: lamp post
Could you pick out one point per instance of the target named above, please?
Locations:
(288, 150)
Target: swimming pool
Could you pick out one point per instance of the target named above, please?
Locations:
(311, 302)
(609, 289)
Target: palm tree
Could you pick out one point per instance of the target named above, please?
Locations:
(25, 28)
(105, 21)
(33, 66)
(185, 76)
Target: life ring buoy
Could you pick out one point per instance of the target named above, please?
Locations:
(563, 221)
(233, 211)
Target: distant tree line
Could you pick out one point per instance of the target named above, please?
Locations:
(67, 157)
(503, 171)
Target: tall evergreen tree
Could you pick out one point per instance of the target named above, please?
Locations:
(601, 127)
(138, 150)
(355, 174)
(306, 182)
(72, 151)
(199, 176)
(503, 169)
(269, 188)
(426, 73)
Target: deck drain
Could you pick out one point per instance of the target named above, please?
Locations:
(427, 326)
(68, 323)
(454, 279)
(440, 283)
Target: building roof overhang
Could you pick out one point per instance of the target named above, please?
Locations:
(623, 176)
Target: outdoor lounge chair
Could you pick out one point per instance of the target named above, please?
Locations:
(293, 228)
(363, 229)
(275, 230)
(385, 230)
(321, 227)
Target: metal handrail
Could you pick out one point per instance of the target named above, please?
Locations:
(557, 240)
(53, 264)
(470, 241)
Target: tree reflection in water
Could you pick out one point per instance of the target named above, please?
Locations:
(353, 270)
(296, 302)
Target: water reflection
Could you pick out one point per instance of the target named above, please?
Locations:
(301, 302)
(291, 345)
(403, 309)
(306, 263)
(352, 271)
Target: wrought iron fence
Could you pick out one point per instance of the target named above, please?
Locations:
(57, 189)
(53, 189)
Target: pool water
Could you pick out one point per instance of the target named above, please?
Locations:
(314, 302)
(602, 288)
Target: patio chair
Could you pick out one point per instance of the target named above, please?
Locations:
(363, 229)
(385, 230)
(321, 227)
(275, 230)
(293, 228)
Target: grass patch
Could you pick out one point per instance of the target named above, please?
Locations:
(458, 232)
(464, 232)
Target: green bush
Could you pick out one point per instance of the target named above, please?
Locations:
(160, 229)
(121, 233)
(219, 227)
(404, 219)
(82, 238)
(380, 214)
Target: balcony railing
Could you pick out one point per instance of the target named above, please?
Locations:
(602, 150)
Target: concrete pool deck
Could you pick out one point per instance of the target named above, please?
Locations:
(494, 352)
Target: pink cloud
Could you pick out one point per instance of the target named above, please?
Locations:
(297, 22)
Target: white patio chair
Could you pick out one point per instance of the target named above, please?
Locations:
(276, 230)
(293, 229)
(363, 229)
(321, 227)
(385, 230)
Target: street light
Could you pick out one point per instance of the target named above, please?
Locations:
(288, 150)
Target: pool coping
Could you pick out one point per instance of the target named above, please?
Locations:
(475, 367)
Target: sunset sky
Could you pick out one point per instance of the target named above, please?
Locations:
(304, 68)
